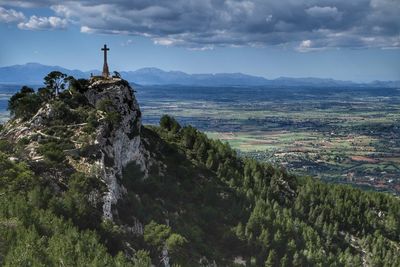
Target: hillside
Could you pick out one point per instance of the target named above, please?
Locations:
(84, 183)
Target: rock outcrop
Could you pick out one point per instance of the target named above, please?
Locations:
(118, 144)
(113, 144)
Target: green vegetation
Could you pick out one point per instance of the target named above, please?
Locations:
(111, 113)
(226, 207)
(169, 123)
(201, 203)
(40, 227)
(24, 104)
(159, 236)
(56, 81)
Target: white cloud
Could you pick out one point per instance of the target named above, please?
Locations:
(10, 15)
(43, 23)
(61, 10)
(127, 42)
(203, 48)
(86, 29)
(323, 12)
(312, 46)
(304, 46)
(166, 41)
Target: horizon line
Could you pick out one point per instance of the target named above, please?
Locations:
(209, 73)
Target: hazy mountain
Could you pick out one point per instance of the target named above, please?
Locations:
(312, 81)
(33, 73)
(154, 76)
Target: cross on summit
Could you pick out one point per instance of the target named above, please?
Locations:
(106, 72)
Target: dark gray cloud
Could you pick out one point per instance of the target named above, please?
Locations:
(306, 25)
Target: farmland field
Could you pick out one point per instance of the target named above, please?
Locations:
(346, 135)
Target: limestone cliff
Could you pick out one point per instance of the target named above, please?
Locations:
(112, 145)
(118, 145)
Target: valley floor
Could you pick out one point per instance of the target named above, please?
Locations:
(345, 135)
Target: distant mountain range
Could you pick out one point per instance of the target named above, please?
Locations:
(33, 73)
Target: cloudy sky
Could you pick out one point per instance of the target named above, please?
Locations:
(353, 40)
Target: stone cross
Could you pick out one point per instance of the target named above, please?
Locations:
(106, 72)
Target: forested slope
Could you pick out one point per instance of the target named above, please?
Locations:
(197, 204)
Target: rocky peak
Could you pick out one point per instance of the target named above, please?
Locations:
(103, 151)
(118, 144)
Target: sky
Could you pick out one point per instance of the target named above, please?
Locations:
(356, 40)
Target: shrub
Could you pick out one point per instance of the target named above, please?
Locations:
(5, 146)
(52, 152)
(105, 105)
(175, 243)
(14, 176)
(160, 235)
(112, 115)
(73, 99)
(155, 234)
(79, 85)
(45, 94)
(77, 203)
(142, 259)
(24, 104)
(92, 120)
(63, 114)
(169, 123)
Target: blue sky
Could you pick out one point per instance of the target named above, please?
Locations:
(350, 40)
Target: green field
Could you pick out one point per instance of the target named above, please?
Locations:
(347, 135)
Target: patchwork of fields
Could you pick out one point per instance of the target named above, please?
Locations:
(346, 135)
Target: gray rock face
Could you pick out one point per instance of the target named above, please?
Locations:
(115, 143)
(119, 144)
